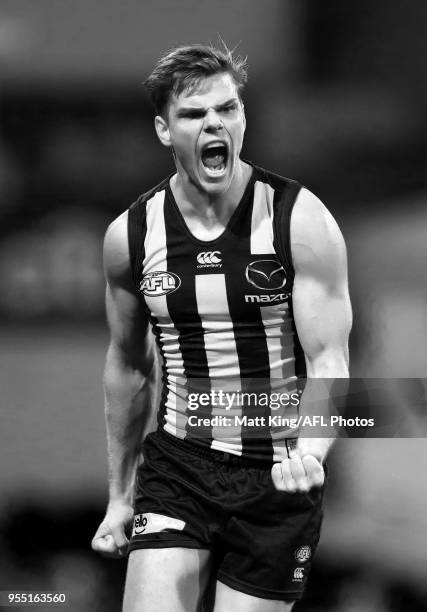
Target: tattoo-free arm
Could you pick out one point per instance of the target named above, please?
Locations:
(322, 313)
(130, 384)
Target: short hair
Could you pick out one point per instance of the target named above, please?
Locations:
(183, 68)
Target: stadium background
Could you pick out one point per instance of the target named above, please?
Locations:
(336, 98)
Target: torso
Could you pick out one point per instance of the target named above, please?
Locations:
(221, 311)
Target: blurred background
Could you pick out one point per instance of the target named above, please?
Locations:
(336, 99)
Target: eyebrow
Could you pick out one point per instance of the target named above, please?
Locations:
(184, 110)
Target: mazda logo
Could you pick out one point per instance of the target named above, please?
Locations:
(266, 274)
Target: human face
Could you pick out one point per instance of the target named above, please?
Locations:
(205, 127)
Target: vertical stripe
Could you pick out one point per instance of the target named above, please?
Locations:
(280, 341)
(283, 203)
(137, 229)
(221, 351)
(262, 220)
(255, 232)
(173, 405)
(155, 238)
(272, 319)
(300, 365)
(183, 311)
(282, 370)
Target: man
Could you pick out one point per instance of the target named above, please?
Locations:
(198, 262)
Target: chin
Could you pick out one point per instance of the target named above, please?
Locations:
(215, 184)
(215, 188)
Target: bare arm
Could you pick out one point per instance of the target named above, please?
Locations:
(130, 383)
(323, 318)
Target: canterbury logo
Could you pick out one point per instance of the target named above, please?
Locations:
(266, 274)
(209, 258)
(154, 284)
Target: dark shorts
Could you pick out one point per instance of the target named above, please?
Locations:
(262, 540)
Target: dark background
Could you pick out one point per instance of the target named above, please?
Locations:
(336, 99)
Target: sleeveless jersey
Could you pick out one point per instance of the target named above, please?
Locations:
(221, 312)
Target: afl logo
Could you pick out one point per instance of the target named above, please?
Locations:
(303, 554)
(139, 524)
(266, 274)
(155, 284)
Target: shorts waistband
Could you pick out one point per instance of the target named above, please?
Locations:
(213, 454)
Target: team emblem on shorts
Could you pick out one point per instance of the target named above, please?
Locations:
(155, 284)
(139, 524)
(266, 274)
(151, 522)
(303, 554)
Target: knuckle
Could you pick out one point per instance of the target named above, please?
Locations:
(317, 480)
(303, 486)
(278, 483)
(291, 487)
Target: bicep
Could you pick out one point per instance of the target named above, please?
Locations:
(321, 302)
(131, 337)
(322, 316)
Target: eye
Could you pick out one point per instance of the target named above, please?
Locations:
(193, 115)
(229, 108)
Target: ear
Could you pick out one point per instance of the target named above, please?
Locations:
(162, 131)
(244, 116)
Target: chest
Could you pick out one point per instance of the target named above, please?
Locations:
(216, 281)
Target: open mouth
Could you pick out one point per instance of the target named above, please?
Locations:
(214, 158)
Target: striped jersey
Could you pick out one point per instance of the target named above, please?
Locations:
(221, 312)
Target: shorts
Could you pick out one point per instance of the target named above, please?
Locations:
(262, 540)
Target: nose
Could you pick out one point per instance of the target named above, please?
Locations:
(213, 121)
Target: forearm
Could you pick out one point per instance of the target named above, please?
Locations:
(317, 402)
(130, 398)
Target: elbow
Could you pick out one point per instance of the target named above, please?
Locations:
(328, 363)
(136, 367)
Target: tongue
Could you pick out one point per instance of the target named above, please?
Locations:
(211, 161)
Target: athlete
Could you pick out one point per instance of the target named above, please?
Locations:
(240, 277)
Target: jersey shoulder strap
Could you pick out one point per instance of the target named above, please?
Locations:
(137, 230)
(285, 194)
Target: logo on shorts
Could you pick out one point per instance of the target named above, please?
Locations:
(151, 522)
(209, 259)
(298, 574)
(139, 524)
(266, 274)
(155, 284)
(303, 554)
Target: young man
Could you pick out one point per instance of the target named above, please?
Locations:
(236, 306)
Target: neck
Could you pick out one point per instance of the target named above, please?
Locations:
(191, 200)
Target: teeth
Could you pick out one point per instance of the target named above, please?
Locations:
(215, 144)
(219, 168)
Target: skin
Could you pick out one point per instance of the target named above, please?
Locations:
(174, 579)
(323, 318)
(213, 111)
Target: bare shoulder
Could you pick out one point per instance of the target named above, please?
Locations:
(116, 249)
(316, 239)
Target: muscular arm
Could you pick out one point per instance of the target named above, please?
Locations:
(323, 317)
(130, 383)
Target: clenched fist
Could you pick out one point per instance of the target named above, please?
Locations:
(298, 474)
(110, 539)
